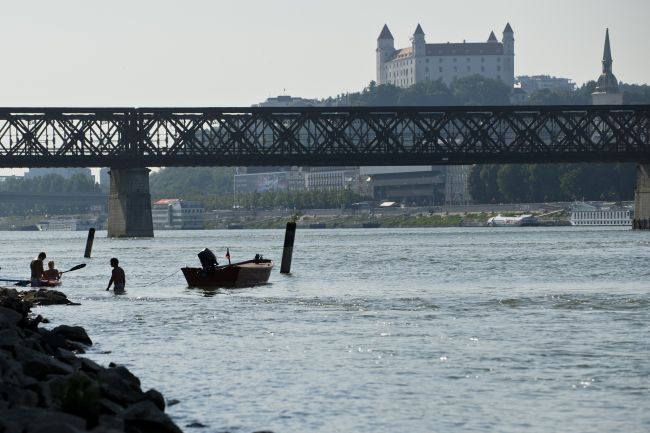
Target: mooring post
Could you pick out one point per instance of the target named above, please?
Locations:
(89, 242)
(287, 251)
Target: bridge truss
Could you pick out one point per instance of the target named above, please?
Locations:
(321, 136)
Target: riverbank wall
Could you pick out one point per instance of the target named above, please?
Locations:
(45, 386)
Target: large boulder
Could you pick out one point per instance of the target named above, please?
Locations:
(73, 333)
(46, 297)
(147, 418)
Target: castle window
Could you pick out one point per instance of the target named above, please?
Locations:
(498, 77)
(440, 60)
(498, 59)
(482, 68)
(427, 60)
(440, 69)
(498, 68)
(468, 60)
(455, 69)
(454, 59)
(426, 69)
(482, 59)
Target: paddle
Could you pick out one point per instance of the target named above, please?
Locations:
(16, 281)
(74, 268)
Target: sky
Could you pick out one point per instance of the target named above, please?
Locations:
(240, 52)
(200, 53)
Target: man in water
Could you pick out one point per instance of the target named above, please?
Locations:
(36, 267)
(51, 274)
(117, 277)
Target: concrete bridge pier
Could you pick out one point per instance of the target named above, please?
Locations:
(642, 198)
(129, 203)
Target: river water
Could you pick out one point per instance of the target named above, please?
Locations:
(377, 330)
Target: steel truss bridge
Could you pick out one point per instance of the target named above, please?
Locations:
(328, 136)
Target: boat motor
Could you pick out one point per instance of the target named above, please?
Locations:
(208, 260)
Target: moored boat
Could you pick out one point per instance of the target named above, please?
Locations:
(241, 274)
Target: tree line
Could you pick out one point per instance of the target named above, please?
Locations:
(520, 183)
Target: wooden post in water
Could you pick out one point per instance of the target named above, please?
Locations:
(287, 251)
(89, 242)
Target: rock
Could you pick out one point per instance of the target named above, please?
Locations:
(8, 338)
(109, 424)
(107, 407)
(39, 365)
(46, 297)
(39, 420)
(156, 398)
(73, 333)
(195, 424)
(117, 388)
(12, 316)
(64, 355)
(89, 366)
(147, 418)
(172, 402)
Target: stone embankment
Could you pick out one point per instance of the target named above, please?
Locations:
(45, 387)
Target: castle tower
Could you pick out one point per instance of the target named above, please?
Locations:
(418, 44)
(607, 91)
(385, 50)
(508, 56)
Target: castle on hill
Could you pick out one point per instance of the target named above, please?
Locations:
(421, 61)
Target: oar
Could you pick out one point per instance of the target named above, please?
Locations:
(74, 268)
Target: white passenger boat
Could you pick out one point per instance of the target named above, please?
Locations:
(601, 214)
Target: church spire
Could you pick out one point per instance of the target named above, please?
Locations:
(607, 81)
(607, 55)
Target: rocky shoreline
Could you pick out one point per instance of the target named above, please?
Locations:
(46, 387)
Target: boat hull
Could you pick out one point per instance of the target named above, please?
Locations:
(249, 273)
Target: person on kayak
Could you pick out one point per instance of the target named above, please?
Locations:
(36, 266)
(117, 277)
(51, 274)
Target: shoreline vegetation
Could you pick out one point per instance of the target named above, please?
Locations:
(258, 220)
(369, 220)
(47, 387)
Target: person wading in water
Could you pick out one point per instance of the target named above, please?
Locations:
(117, 277)
(36, 267)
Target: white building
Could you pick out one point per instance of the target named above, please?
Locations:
(535, 83)
(176, 214)
(332, 179)
(421, 61)
(288, 101)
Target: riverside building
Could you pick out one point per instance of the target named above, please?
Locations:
(177, 214)
(422, 61)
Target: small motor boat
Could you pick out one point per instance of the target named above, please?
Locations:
(241, 274)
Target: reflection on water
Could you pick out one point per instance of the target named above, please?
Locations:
(419, 330)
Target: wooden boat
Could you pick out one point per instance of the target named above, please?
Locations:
(241, 274)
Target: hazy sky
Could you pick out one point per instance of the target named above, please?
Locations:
(237, 53)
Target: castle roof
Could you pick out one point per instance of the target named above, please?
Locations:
(385, 33)
(493, 37)
(508, 29)
(456, 49)
(418, 30)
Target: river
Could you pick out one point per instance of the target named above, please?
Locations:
(376, 330)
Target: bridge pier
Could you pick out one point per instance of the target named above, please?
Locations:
(129, 203)
(642, 198)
